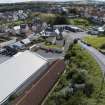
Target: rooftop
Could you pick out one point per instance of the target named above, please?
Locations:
(15, 71)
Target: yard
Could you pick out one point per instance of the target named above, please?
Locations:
(48, 45)
(96, 42)
(79, 61)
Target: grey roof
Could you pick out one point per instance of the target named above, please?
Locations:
(15, 71)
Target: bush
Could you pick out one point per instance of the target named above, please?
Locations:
(12, 97)
(78, 78)
(102, 46)
(89, 88)
(71, 74)
(75, 41)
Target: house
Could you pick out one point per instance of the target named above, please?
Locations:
(24, 28)
(48, 32)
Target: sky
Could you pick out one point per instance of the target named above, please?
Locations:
(13, 1)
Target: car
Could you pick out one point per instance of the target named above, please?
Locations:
(9, 51)
(92, 32)
(2, 50)
(88, 44)
(58, 51)
(50, 50)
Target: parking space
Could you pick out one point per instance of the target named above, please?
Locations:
(49, 55)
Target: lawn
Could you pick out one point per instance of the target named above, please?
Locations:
(96, 42)
(47, 17)
(79, 59)
(53, 46)
(81, 22)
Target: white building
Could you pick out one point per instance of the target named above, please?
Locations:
(18, 72)
(17, 29)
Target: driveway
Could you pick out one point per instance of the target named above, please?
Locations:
(100, 58)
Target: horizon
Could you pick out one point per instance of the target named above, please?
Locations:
(19, 1)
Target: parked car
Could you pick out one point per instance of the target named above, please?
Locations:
(9, 51)
(93, 32)
(88, 44)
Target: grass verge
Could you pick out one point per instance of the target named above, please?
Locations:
(96, 42)
(79, 59)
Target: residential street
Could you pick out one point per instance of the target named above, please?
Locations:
(100, 58)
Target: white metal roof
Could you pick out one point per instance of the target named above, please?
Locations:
(16, 70)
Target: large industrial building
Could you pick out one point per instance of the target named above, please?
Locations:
(18, 72)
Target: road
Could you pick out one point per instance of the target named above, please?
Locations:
(100, 58)
(70, 36)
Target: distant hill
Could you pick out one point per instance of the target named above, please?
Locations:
(40, 4)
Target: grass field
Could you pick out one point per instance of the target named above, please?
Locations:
(80, 59)
(83, 23)
(96, 42)
(53, 46)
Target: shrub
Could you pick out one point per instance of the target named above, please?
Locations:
(12, 97)
(80, 77)
(102, 46)
(89, 88)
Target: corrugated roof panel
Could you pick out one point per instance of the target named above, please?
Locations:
(16, 70)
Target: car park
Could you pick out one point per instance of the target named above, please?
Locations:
(8, 51)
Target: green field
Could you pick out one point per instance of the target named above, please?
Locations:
(81, 22)
(79, 60)
(53, 46)
(96, 42)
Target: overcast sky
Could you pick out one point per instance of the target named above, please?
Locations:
(13, 1)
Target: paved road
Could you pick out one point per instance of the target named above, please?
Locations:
(100, 58)
(70, 36)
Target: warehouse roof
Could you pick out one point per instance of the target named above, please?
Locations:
(15, 71)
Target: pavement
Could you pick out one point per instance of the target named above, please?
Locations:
(100, 58)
